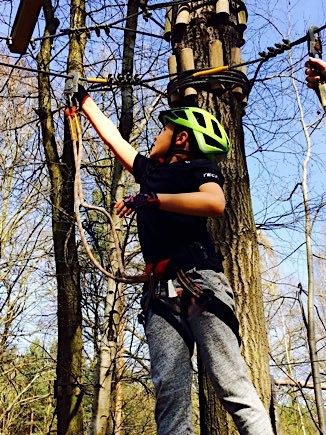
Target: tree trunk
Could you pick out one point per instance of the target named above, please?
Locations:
(311, 324)
(235, 233)
(103, 420)
(61, 171)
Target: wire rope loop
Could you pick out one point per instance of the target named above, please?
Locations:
(228, 80)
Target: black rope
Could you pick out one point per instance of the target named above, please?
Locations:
(228, 79)
(25, 68)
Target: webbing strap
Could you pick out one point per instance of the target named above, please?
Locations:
(189, 284)
(211, 303)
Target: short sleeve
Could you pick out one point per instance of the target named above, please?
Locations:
(209, 173)
(140, 167)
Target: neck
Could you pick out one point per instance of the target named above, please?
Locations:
(180, 157)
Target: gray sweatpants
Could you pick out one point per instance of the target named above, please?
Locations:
(220, 354)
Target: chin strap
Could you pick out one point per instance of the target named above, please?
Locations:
(171, 151)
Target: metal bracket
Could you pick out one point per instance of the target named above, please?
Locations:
(71, 86)
(314, 42)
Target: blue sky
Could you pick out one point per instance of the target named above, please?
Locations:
(275, 172)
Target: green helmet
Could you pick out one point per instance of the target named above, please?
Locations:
(211, 137)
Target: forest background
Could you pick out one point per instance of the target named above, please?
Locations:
(279, 113)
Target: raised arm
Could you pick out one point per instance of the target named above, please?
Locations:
(108, 132)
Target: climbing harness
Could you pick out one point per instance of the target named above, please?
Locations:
(315, 49)
(174, 310)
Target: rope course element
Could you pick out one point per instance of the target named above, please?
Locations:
(222, 78)
(145, 10)
(215, 75)
(73, 120)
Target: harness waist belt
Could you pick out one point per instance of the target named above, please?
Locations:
(186, 258)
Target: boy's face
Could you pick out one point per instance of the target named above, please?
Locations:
(162, 142)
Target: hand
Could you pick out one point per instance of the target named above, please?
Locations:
(142, 200)
(122, 210)
(81, 95)
(315, 72)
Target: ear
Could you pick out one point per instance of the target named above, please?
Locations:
(182, 138)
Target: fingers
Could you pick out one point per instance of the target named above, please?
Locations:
(122, 210)
(312, 78)
(313, 68)
(314, 62)
(312, 82)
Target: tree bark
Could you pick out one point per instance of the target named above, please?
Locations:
(104, 415)
(235, 233)
(61, 172)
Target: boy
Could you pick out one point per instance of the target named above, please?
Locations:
(188, 298)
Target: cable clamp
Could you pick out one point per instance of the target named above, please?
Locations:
(71, 86)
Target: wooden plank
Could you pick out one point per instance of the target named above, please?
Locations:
(25, 22)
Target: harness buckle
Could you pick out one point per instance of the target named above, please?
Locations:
(157, 290)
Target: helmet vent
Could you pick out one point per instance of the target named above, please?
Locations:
(200, 119)
(210, 141)
(172, 115)
(180, 114)
(216, 128)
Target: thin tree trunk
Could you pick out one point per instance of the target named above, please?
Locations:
(119, 381)
(314, 361)
(103, 420)
(293, 394)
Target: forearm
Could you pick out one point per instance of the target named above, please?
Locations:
(194, 203)
(109, 133)
(102, 124)
(209, 201)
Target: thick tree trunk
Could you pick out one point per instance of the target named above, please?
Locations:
(235, 233)
(61, 171)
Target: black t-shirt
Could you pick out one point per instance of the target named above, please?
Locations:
(162, 233)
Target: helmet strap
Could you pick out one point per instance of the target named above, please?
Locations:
(171, 151)
(174, 151)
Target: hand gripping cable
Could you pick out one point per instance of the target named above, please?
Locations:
(315, 49)
(73, 119)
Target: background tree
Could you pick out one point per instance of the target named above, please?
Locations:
(61, 173)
